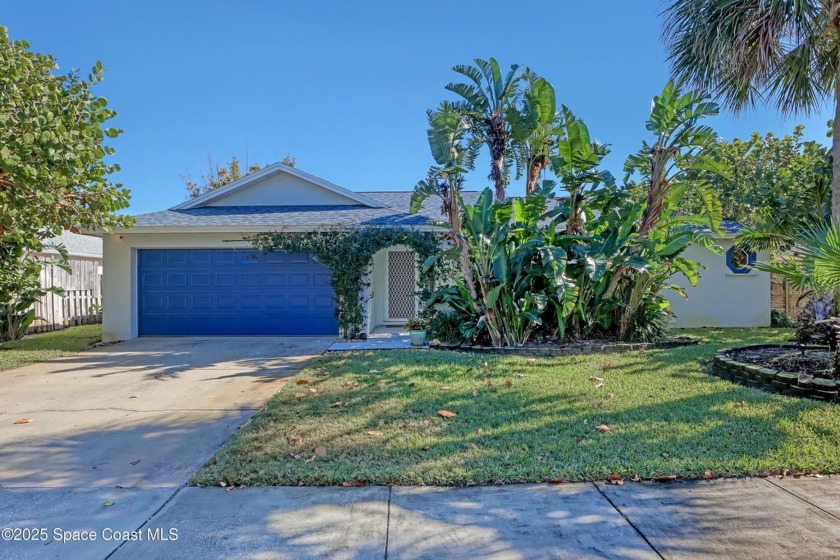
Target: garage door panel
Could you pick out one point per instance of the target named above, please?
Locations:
(230, 292)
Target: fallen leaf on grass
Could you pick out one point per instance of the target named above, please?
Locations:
(320, 451)
(296, 438)
(557, 480)
(427, 421)
(135, 462)
(486, 367)
(480, 431)
(351, 384)
(740, 404)
(310, 459)
(447, 413)
(313, 391)
(444, 388)
(520, 375)
(346, 484)
(606, 366)
(489, 383)
(603, 428)
(300, 395)
(708, 475)
(508, 382)
(374, 433)
(475, 393)
(599, 385)
(615, 479)
(472, 445)
(636, 478)
(596, 379)
(531, 360)
(302, 382)
(666, 478)
(610, 396)
(336, 404)
(24, 421)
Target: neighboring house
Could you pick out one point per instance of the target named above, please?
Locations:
(729, 293)
(188, 270)
(82, 287)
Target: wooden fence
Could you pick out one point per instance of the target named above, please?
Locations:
(82, 302)
(785, 297)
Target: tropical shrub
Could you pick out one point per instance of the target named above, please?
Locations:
(20, 287)
(590, 264)
(445, 326)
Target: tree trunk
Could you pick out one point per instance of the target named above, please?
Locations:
(498, 176)
(835, 153)
(464, 260)
(534, 170)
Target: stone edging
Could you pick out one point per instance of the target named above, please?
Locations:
(774, 381)
(574, 350)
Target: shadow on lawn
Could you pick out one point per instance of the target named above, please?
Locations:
(503, 433)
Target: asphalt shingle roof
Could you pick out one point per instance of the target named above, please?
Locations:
(396, 213)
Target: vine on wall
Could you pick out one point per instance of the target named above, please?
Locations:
(348, 253)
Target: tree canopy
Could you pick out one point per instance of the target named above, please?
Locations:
(217, 176)
(54, 163)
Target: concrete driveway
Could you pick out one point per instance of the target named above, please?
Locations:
(118, 430)
(142, 413)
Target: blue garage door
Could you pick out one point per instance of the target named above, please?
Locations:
(233, 292)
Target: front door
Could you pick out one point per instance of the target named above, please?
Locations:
(402, 283)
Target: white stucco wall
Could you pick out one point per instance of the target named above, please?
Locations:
(282, 189)
(119, 279)
(721, 298)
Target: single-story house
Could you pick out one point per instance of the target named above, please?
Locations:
(188, 270)
(730, 293)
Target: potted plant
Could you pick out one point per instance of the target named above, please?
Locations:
(417, 331)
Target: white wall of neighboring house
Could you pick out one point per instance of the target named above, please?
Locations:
(721, 298)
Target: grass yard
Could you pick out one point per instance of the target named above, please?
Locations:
(46, 346)
(373, 418)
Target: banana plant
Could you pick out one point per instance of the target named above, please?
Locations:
(519, 269)
(681, 145)
(487, 101)
(532, 128)
(576, 165)
(448, 128)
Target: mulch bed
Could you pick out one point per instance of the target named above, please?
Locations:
(816, 362)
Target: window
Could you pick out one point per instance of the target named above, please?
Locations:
(739, 260)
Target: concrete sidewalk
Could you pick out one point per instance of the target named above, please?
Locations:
(747, 518)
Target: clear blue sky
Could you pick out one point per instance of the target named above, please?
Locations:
(343, 86)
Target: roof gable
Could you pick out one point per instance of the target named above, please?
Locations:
(279, 185)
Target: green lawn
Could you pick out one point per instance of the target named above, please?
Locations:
(46, 346)
(375, 417)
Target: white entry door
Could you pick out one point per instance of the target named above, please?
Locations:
(402, 282)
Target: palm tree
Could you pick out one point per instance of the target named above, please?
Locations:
(533, 130)
(454, 156)
(487, 101)
(781, 51)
